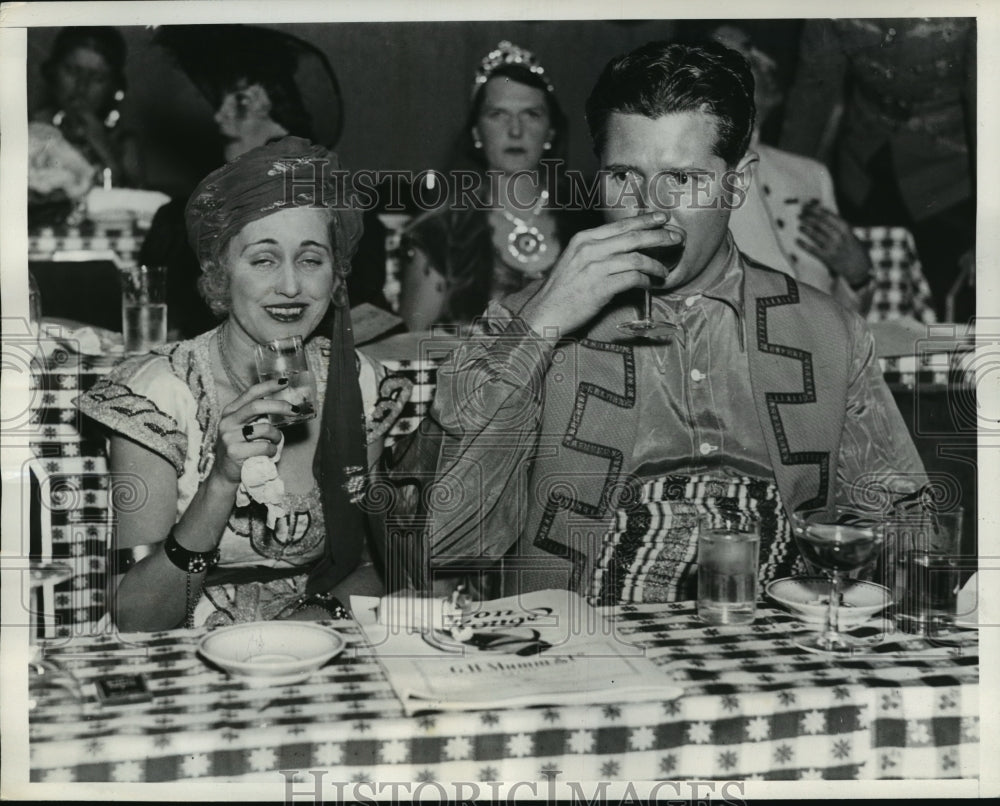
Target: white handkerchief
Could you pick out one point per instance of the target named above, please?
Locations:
(260, 482)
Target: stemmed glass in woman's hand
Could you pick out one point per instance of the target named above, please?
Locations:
(837, 540)
(647, 327)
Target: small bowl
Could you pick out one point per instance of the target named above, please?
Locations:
(809, 597)
(271, 653)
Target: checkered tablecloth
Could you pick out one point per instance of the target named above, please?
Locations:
(47, 243)
(71, 472)
(754, 707)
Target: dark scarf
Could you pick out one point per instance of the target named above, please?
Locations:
(341, 461)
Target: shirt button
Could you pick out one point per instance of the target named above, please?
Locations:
(697, 375)
(706, 448)
(692, 299)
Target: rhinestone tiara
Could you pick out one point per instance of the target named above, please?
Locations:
(508, 53)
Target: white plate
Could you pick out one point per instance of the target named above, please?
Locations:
(967, 605)
(116, 201)
(271, 653)
(809, 597)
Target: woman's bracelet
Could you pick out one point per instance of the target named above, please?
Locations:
(330, 603)
(191, 562)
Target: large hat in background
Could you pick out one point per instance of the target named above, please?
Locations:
(298, 77)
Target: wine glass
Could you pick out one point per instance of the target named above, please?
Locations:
(647, 327)
(49, 684)
(44, 572)
(52, 686)
(837, 540)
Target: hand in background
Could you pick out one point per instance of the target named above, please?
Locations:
(82, 125)
(830, 239)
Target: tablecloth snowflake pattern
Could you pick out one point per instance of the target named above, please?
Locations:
(754, 707)
(70, 472)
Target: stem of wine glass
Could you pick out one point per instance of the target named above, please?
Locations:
(649, 306)
(831, 611)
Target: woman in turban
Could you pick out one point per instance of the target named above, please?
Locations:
(274, 232)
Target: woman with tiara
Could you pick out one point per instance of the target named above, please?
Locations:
(510, 230)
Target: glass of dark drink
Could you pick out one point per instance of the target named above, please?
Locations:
(838, 541)
(646, 326)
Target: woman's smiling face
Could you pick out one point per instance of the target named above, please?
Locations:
(281, 273)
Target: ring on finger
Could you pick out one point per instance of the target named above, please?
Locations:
(248, 432)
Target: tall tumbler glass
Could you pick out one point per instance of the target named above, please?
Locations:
(144, 307)
(286, 358)
(728, 549)
(924, 547)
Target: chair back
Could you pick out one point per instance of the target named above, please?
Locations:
(85, 291)
(901, 290)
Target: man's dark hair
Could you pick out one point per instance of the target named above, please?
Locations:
(661, 78)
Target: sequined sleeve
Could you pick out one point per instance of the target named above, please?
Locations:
(143, 400)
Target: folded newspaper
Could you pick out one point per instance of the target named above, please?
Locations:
(542, 648)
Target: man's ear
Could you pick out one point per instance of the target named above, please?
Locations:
(739, 180)
(745, 171)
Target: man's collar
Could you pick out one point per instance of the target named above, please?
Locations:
(728, 288)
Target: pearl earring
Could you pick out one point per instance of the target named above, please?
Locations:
(547, 146)
(119, 96)
(477, 143)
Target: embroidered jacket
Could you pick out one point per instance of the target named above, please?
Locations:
(538, 443)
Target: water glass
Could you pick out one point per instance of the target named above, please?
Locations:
(728, 549)
(144, 307)
(924, 553)
(286, 358)
(53, 688)
(34, 303)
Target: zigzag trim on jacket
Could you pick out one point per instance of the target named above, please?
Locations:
(557, 500)
(807, 395)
